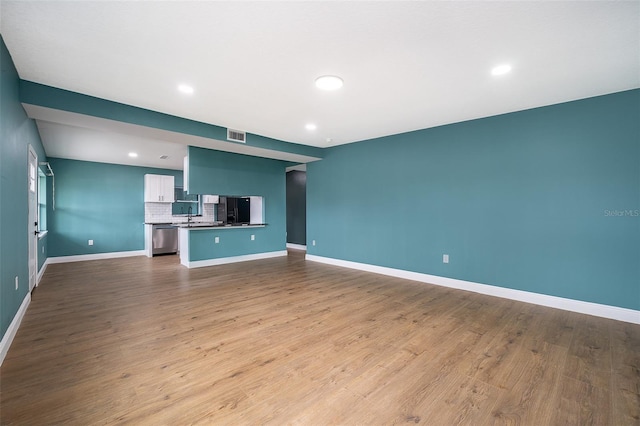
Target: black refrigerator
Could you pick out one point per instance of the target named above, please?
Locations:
(234, 210)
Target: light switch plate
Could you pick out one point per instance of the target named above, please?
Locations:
(445, 258)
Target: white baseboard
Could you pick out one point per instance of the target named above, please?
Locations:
(96, 256)
(595, 309)
(233, 259)
(7, 339)
(296, 246)
(41, 272)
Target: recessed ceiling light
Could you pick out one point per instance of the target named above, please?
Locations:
(186, 89)
(329, 82)
(133, 154)
(310, 126)
(501, 69)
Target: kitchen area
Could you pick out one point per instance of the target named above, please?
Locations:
(171, 214)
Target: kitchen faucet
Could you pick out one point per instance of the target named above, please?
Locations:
(189, 214)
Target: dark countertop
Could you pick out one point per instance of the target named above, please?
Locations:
(204, 224)
(217, 225)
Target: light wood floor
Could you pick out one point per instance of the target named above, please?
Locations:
(284, 341)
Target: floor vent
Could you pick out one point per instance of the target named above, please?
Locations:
(236, 136)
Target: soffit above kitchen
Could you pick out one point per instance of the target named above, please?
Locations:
(82, 127)
(252, 65)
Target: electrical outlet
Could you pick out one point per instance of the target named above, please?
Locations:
(90, 242)
(445, 258)
(253, 237)
(313, 243)
(42, 250)
(216, 240)
(16, 282)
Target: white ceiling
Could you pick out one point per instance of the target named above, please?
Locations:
(405, 65)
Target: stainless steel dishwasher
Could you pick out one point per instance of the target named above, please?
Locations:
(164, 239)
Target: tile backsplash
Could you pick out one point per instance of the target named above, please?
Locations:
(208, 211)
(157, 213)
(161, 213)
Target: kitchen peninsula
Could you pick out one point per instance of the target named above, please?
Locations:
(235, 176)
(203, 245)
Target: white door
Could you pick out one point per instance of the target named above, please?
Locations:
(32, 227)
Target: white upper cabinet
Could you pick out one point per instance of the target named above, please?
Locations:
(158, 189)
(185, 174)
(210, 199)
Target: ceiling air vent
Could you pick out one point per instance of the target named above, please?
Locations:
(236, 136)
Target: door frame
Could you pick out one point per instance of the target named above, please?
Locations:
(32, 217)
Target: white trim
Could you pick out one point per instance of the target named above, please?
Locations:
(233, 259)
(33, 212)
(96, 256)
(296, 246)
(41, 271)
(589, 308)
(298, 167)
(7, 339)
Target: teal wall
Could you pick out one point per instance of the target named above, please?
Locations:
(225, 173)
(102, 202)
(232, 242)
(17, 131)
(523, 201)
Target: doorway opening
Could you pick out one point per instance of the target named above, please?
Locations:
(297, 208)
